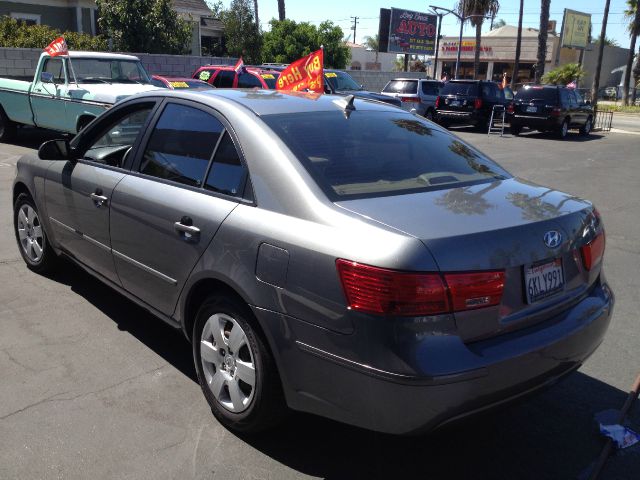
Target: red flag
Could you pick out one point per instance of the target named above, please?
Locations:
(57, 47)
(239, 65)
(305, 73)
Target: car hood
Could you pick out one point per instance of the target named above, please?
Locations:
(371, 96)
(498, 224)
(107, 93)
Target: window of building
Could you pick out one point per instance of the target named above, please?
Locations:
(28, 18)
(356, 66)
(181, 145)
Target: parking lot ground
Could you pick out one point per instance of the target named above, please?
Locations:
(91, 386)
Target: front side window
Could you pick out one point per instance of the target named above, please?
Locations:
(56, 68)
(181, 145)
(341, 81)
(224, 79)
(370, 154)
(248, 80)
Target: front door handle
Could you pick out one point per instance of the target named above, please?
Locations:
(98, 198)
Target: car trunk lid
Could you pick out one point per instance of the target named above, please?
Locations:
(499, 225)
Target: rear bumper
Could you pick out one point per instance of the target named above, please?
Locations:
(452, 379)
(541, 123)
(450, 116)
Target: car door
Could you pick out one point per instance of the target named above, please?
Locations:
(574, 108)
(47, 98)
(78, 194)
(165, 214)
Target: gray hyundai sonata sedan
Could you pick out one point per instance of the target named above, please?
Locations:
(327, 254)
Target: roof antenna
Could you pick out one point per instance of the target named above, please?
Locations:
(347, 104)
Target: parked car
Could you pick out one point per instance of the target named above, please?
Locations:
(551, 108)
(418, 94)
(337, 82)
(469, 102)
(344, 258)
(179, 83)
(225, 76)
(66, 99)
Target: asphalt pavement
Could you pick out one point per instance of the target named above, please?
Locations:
(91, 386)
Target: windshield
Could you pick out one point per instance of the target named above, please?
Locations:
(372, 153)
(401, 86)
(341, 81)
(108, 70)
(460, 88)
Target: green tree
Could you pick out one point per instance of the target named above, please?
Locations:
(150, 26)
(475, 12)
(17, 34)
(608, 42)
(543, 33)
(373, 43)
(565, 74)
(499, 24)
(632, 14)
(242, 35)
(287, 41)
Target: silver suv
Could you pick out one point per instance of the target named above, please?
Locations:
(418, 94)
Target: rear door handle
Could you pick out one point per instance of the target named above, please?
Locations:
(98, 198)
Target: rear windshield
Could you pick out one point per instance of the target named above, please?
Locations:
(533, 93)
(369, 154)
(460, 88)
(401, 86)
(270, 79)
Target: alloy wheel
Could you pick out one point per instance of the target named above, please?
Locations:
(30, 233)
(228, 362)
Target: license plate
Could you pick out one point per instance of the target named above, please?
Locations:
(455, 103)
(532, 109)
(543, 280)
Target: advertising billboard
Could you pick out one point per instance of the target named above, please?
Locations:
(412, 33)
(575, 29)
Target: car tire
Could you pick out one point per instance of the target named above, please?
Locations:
(8, 129)
(242, 387)
(32, 239)
(586, 128)
(429, 115)
(516, 130)
(563, 131)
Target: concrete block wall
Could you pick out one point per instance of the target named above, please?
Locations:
(375, 81)
(22, 62)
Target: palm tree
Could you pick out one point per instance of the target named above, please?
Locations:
(516, 64)
(603, 35)
(373, 43)
(255, 10)
(281, 15)
(632, 13)
(545, 5)
(475, 12)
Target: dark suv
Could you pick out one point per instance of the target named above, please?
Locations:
(551, 108)
(470, 102)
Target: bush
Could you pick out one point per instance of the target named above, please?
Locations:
(17, 34)
(564, 74)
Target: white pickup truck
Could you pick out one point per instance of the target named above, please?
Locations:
(66, 95)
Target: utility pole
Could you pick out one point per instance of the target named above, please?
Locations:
(355, 25)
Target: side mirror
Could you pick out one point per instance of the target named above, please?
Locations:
(46, 77)
(56, 150)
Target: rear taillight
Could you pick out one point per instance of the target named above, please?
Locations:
(593, 251)
(410, 99)
(475, 290)
(438, 102)
(390, 292)
(510, 108)
(477, 103)
(555, 112)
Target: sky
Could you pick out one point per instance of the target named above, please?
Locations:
(340, 11)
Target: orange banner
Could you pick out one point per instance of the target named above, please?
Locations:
(305, 73)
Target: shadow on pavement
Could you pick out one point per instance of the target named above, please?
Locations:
(34, 137)
(550, 436)
(573, 136)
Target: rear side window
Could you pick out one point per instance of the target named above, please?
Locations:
(401, 86)
(372, 154)
(227, 175)
(532, 94)
(181, 145)
(224, 79)
(430, 88)
(248, 80)
(460, 88)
